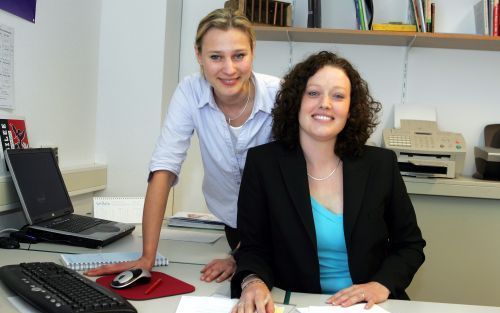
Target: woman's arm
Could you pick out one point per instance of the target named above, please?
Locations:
(152, 219)
(154, 211)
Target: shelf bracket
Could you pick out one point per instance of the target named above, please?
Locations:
(290, 43)
(290, 50)
(405, 70)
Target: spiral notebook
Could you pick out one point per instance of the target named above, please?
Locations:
(86, 261)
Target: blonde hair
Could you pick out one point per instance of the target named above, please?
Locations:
(224, 19)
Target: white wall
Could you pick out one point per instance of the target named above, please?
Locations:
(129, 109)
(454, 16)
(55, 72)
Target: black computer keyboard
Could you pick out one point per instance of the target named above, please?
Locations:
(76, 223)
(50, 287)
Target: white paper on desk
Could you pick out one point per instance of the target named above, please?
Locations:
(191, 304)
(21, 305)
(186, 235)
(357, 308)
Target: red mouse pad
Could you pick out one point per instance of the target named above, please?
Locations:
(168, 286)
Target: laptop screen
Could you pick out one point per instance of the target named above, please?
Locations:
(39, 183)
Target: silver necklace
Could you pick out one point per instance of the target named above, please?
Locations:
(327, 176)
(229, 119)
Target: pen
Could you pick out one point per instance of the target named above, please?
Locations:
(153, 286)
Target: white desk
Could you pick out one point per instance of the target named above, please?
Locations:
(175, 251)
(187, 259)
(399, 306)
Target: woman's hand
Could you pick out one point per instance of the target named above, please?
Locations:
(255, 297)
(371, 293)
(219, 269)
(119, 267)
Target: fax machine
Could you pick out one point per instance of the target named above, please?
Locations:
(425, 151)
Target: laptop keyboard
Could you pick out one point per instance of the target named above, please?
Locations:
(76, 223)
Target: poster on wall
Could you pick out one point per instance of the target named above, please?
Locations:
(13, 135)
(6, 67)
(22, 8)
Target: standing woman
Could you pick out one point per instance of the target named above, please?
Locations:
(229, 107)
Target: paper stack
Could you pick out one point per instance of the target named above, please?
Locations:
(195, 220)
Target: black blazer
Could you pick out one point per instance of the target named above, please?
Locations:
(275, 220)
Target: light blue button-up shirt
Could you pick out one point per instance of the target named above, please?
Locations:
(193, 108)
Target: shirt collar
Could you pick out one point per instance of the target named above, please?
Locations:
(207, 97)
(261, 103)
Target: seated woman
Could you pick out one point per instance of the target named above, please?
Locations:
(319, 211)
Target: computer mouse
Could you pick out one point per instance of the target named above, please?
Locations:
(8, 243)
(131, 278)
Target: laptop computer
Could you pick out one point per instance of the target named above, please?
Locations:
(47, 205)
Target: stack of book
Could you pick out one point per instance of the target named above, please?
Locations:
(394, 26)
(424, 12)
(486, 13)
(195, 220)
(420, 17)
(267, 12)
(364, 13)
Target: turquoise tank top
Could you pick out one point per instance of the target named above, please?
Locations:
(332, 251)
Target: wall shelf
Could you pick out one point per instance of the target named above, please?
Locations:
(466, 187)
(383, 38)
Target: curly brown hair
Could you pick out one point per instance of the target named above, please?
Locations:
(362, 111)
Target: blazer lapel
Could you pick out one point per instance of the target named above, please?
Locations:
(293, 169)
(355, 183)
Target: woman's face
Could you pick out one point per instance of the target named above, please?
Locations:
(325, 105)
(226, 59)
